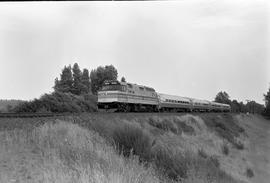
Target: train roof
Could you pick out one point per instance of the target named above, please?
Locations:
(221, 104)
(200, 101)
(173, 97)
(131, 85)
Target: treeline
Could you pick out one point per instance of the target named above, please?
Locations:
(267, 103)
(74, 91)
(250, 106)
(59, 102)
(8, 105)
(73, 80)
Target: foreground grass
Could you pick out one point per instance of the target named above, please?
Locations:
(64, 152)
(95, 148)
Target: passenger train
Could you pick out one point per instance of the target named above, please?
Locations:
(127, 97)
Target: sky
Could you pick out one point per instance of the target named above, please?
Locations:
(187, 48)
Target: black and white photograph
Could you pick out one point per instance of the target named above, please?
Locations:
(135, 91)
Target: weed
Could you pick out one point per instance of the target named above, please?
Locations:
(249, 173)
(226, 127)
(182, 126)
(214, 160)
(130, 138)
(239, 145)
(225, 149)
(165, 125)
(64, 152)
(202, 153)
(172, 165)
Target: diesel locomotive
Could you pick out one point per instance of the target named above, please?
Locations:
(127, 97)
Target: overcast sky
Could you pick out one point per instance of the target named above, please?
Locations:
(187, 48)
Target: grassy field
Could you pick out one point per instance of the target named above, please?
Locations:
(139, 147)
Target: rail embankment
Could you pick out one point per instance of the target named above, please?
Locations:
(135, 147)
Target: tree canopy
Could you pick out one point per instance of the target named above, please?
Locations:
(223, 97)
(66, 80)
(267, 102)
(73, 80)
(86, 81)
(99, 75)
(123, 79)
(251, 106)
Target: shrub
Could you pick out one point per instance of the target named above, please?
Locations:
(182, 126)
(226, 127)
(172, 165)
(59, 102)
(202, 153)
(64, 152)
(214, 160)
(225, 149)
(132, 139)
(249, 173)
(165, 124)
(201, 169)
(239, 145)
(188, 166)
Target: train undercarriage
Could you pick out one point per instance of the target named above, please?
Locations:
(126, 107)
(130, 107)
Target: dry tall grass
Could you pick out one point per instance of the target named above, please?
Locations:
(64, 152)
(170, 149)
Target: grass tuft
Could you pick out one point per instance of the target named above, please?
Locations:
(225, 149)
(202, 153)
(226, 127)
(132, 139)
(182, 126)
(172, 165)
(164, 124)
(64, 152)
(249, 173)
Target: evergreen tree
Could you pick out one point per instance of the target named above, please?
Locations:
(77, 80)
(223, 97)
(235, 106)
(254, 107)
(66, 81)
(123, 79)
(86, 81)
(267, 102)
(56, 84)
(99, 75)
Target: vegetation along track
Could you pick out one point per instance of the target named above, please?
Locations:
(36, 115)
(30, 115)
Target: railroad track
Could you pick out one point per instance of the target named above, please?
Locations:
(30, 115)
(36, 115)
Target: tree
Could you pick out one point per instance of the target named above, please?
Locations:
(242, 107)
(66, 81)
(73, 80)
(123, 79)
(99, 75)
(77, 80)
(86, 81)
(267, 103)
(235, 106)
(254, 107)
(56, 85)
(223, 97)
